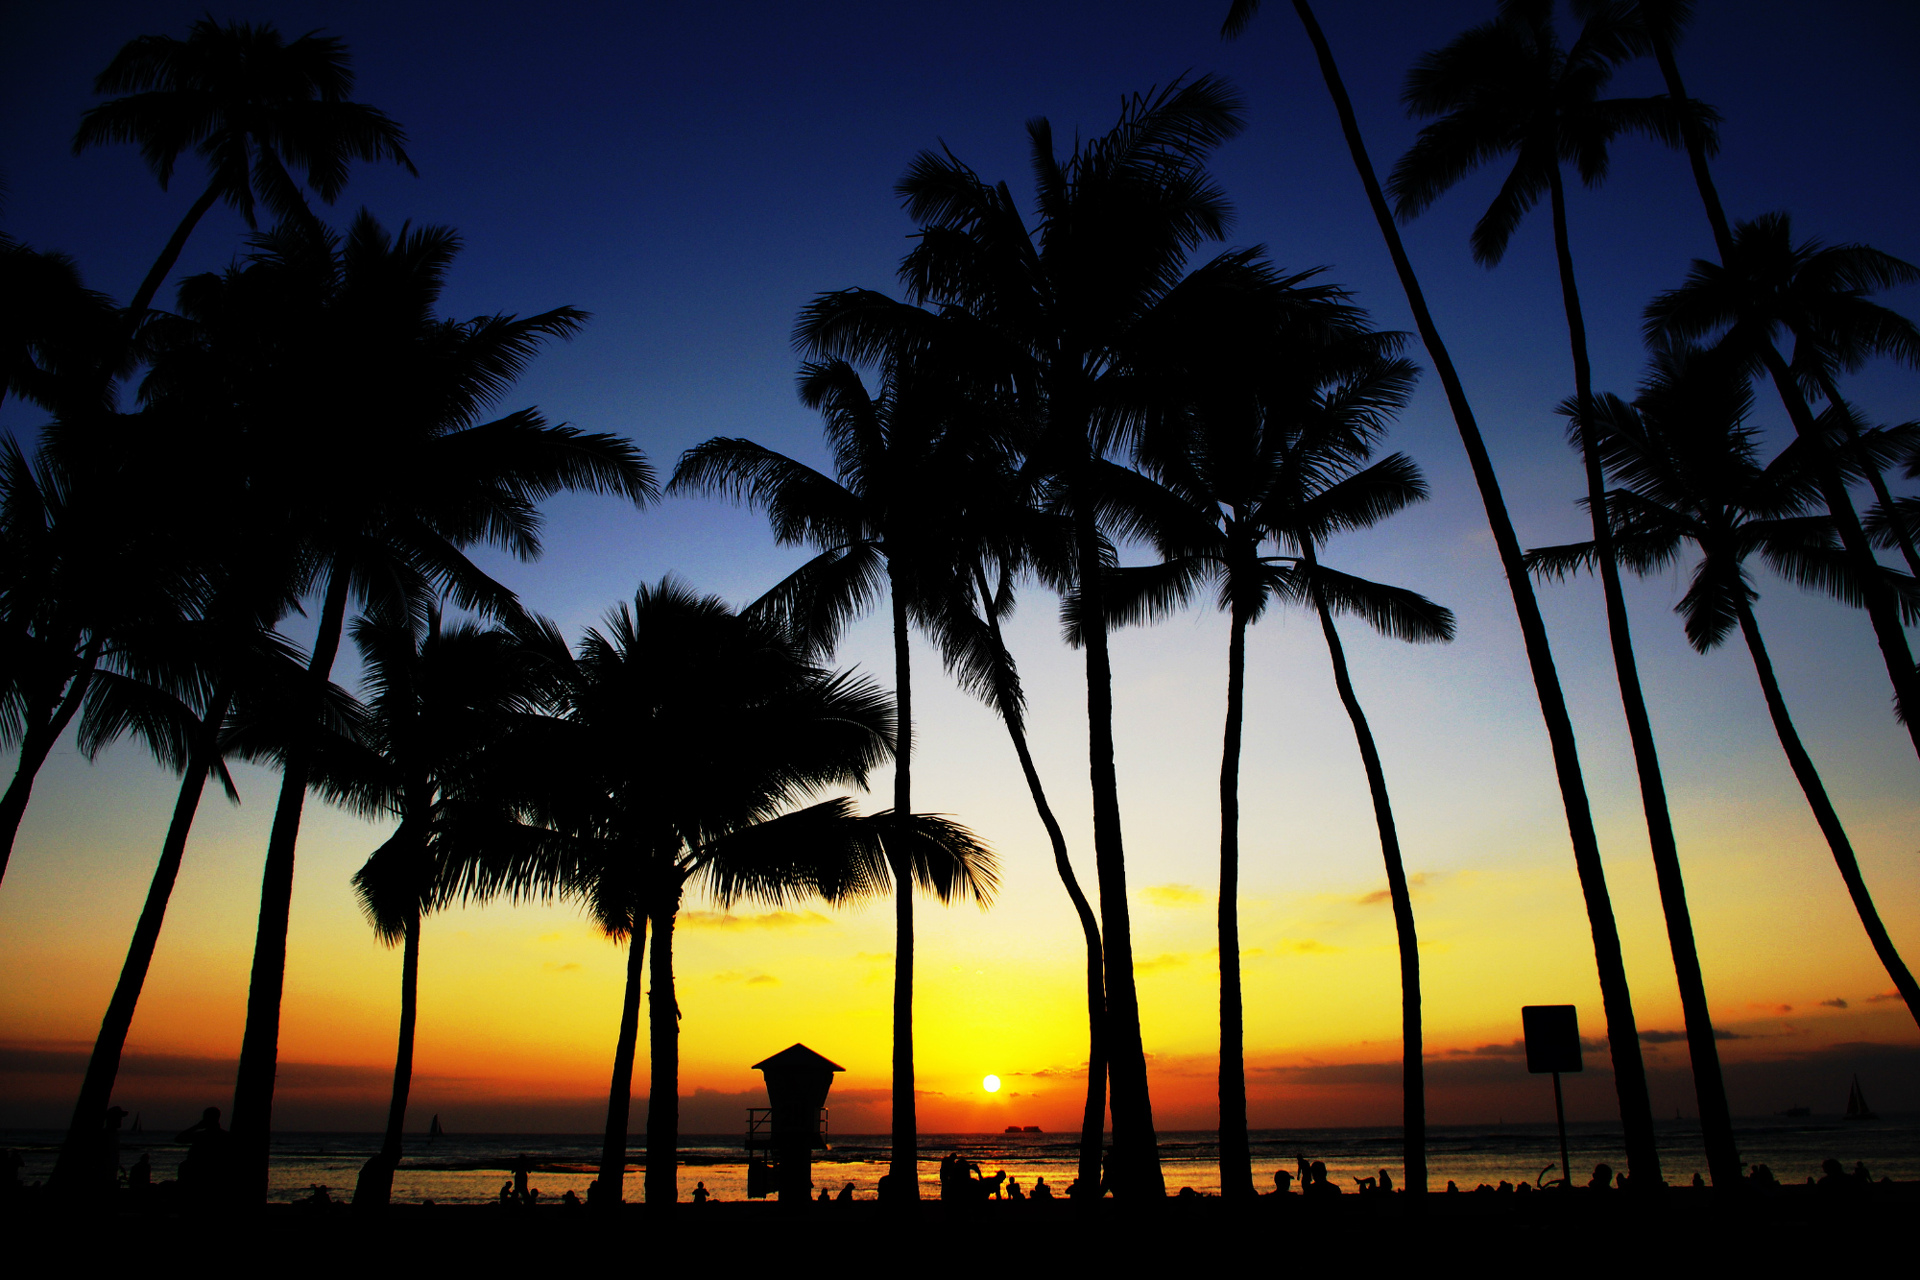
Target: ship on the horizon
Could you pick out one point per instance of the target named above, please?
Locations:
(1024, 1128)
(1857, 1108)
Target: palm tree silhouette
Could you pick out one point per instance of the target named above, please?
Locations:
(1508, 86)
(250, 102)
(1766, 287)
(437, 698)
(55, 333)
(1688, 471)
(1073, 319)
(301, 339)
(686, 736)
(888, 518)
(1271, 451)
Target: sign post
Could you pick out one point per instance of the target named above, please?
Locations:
(1553, 1046)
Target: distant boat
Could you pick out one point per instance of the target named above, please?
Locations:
(1857, 1108)
(136, 1124)
(434, 1130)
(1032, 1128)
(1795, 1113)
(1014, 1128)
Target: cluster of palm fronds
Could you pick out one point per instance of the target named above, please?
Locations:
(1061, 383)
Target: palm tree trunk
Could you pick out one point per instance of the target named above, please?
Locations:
(1135, 1171)
(260, 1044)
(71, 1170)
(1630, 1080)
(1093, 1115)
(613, 1144)
(1710, 1091)
(143, 297)
(1874, 477)
(663, 1090)
(1881, 609)
(1413, 1070)
(904, 1167)
(375, 1188)
(36, 744)
(1823, 813)
(1236, 1155)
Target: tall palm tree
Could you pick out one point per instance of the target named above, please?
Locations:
(1272, 451)
(1072, 318)
(1688, 472)
(55, 333)
(317, 338)
(250, 102)
(1504, 87)
(887, 516)
(1766, 287)
(437, 699)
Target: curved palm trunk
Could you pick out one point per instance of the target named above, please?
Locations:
(375, 1186)
(1882, 611)
(103, 1067)
(1716, 1121)
(663, 1089)
(260, 1044)
(1093, 1115)
(1236, 1155)
(904, 1167)
(1823, 813)
(1413, 1070)
(613, 1143)
(1630, 1078)
(143, 297)
(1135, 1171)
(44, 728)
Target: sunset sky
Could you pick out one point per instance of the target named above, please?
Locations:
(693, 175)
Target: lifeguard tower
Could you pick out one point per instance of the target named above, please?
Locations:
(782, 1138)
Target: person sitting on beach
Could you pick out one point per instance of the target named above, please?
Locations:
(1522, 1187)
(1041, 1191)
(700, 1193)
(568, 1200)
(205, 1163)
(1453, 1188)
(1318, 1183)
(1860, 1174)
(1282, 1182)
(1365, 1185)
(846, 1194)
(1386, 1180)
(1834, 1176)
(826, 1196)
(1762, 1176)
(990, 1187)
(1505, 1188)
(317, 1195)
(506, 1193)
(1602, 1179)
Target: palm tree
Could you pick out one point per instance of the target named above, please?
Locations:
(1073, 320)
(690, 734)
(253, 104)
(1272, 450)
(1766, 287)
(1508, 86)
(437, 698)
(892, 508)
(1687, 470)
(298, 343)
(55, 332)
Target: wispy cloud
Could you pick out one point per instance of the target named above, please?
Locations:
(1883, 997)
(1175, 895)
(1835, 1003)
(752, 977)
(764, 920)
(1161, 963)
(1415, 883)
(571, 966)
(1307, 947)
(1770, 1008)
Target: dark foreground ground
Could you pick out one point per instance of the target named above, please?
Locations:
(1584, 1233)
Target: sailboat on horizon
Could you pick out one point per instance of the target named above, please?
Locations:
(1857, 1108)
(434, 1130)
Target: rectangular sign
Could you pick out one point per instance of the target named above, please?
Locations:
(1553, 1037)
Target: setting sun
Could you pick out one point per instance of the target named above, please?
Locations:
(991, 1084)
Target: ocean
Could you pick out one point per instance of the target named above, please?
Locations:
(470, 1168)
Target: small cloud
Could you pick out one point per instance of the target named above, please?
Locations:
(1308, 947)
(569, 967)
(1662, 1037)
(1835, 1003)
(764, 920)
(752, 979)
(1160, 963)
(1415, 883)
(1721, 1034)
(1174, 895)
(1883, 997)
(763, 980)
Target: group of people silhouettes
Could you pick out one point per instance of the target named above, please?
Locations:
(962, 1182)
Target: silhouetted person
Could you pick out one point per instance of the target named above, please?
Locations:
(990, 1187)
(506, 1193)
(1602, 1179)
(317, 1195)
(846, 1195)
(203, 1172)
(1453, 1188)
(700, 1193)
(568, 1200)
(1699, 1181)
(1318, 1184)
(1041, 1191)
(826, 1196)
(1834, 1176)
(1386, 1181)
(1860, 1174)
(140, 1177)
(1282, 1182)
(521, 1167)
(1762, 1176)
(1364, 1185)
(1523, 1187)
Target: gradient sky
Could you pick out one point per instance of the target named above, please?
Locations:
(692, 176)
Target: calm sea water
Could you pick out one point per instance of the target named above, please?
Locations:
(469, 1168)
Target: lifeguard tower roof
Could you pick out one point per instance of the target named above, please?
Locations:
(794, 1057)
